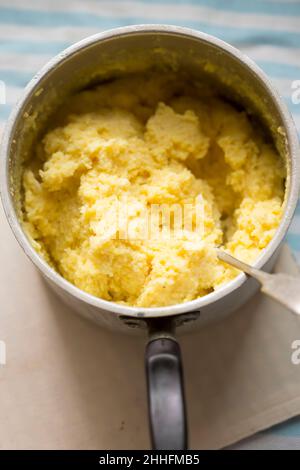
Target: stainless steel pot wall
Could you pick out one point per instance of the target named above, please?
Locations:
(128, 50)
(122, 51)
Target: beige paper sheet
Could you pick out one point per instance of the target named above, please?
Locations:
(68, 384)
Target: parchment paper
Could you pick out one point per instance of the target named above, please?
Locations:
(67, 384)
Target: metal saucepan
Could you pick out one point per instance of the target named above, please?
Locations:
(118, 52)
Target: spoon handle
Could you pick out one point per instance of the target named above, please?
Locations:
(281, 287)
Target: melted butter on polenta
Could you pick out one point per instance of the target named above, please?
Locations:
(151, 140)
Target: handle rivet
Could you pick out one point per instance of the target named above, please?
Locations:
(186, 318)
(132, 322)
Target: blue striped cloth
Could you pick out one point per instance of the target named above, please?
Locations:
(32, 32)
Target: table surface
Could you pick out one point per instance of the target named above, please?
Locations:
(267, 30)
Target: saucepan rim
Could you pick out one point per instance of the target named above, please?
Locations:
(193, 305)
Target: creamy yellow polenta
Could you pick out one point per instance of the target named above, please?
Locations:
(143, 141)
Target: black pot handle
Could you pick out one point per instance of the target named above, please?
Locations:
(166, 400)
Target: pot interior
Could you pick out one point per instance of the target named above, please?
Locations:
(107, 57)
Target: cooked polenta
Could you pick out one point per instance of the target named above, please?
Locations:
(135, 144)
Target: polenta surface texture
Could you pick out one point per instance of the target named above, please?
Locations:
(145, 140)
